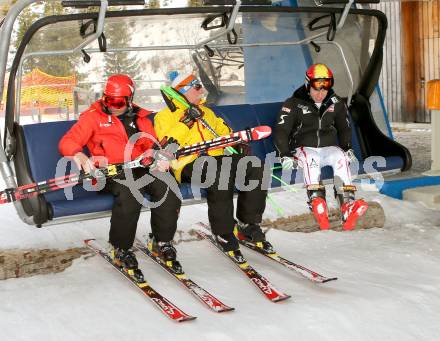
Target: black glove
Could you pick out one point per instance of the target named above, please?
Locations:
(191, 115)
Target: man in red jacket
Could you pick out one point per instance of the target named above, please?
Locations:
(105, 128)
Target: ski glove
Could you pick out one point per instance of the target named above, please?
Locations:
(288, 162)
(191, 115)
(350, 156)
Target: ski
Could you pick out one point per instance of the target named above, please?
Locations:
(307, 273)
(263, 284)
(241, 136)
(34, 189)
(168, 308)
(203, 295)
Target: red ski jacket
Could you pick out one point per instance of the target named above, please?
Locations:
(105, 135)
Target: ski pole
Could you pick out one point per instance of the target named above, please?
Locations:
(171, 92)
(277, 207)
(289, 188)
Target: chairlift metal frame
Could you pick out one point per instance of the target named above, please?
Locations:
(5, 40)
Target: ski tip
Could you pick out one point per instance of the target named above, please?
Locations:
(329, 279)
(225, 309)
(281, 298)
(264, 128)
(261, 132)
(186, 318)
(88, 241)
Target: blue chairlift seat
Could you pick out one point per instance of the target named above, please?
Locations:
(42, 149)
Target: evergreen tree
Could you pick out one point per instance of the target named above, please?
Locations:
(56, 65)
(195, 3)
(25, 20)
(154, 4)
(46, 39)
(5, 5)
(121, 62)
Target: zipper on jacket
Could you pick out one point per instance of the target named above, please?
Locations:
(317, 133)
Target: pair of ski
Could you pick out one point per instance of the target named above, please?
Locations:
(305, 272)
(32, 190)
(166, 306)
(259, 280)
(175, 313)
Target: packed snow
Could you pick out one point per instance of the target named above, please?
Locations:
(387, 287)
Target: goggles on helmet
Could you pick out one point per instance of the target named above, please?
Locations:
(321, 83)
(115, 102)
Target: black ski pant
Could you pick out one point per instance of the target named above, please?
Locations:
(250, 204)
(126, 210)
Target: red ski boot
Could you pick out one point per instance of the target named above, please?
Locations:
(351, 212)
(319, 209)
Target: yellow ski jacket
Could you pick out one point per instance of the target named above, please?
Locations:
(167, 124)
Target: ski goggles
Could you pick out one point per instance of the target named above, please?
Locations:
(195, 83)
(115, 102)
(321, 83)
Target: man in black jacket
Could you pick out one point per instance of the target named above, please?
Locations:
(306, 135)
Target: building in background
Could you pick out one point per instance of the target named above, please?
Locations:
(411, 57)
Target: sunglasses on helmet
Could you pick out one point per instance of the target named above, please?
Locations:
(115, 102)
(197, 86)
(195, 83)
(321, 83)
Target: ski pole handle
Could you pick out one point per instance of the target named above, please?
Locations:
(175, 95)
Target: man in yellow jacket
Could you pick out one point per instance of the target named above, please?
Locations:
(185, 126)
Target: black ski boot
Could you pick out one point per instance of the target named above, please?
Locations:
(253, 234)
(127, 261)
(166, 252)
(230, 245)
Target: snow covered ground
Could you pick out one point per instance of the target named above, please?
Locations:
(387, 288)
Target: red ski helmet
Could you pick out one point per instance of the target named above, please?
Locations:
(119, 86)
(319, 76)
(118, 92)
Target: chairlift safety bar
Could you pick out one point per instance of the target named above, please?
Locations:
(146, 48)
(188, 47)
(344, 15)
(334, 2)
(5, 40)
(228, 29)
(96, 3)
(347, 69)
(99, 27)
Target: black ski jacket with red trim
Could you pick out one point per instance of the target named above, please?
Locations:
(301, 124)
